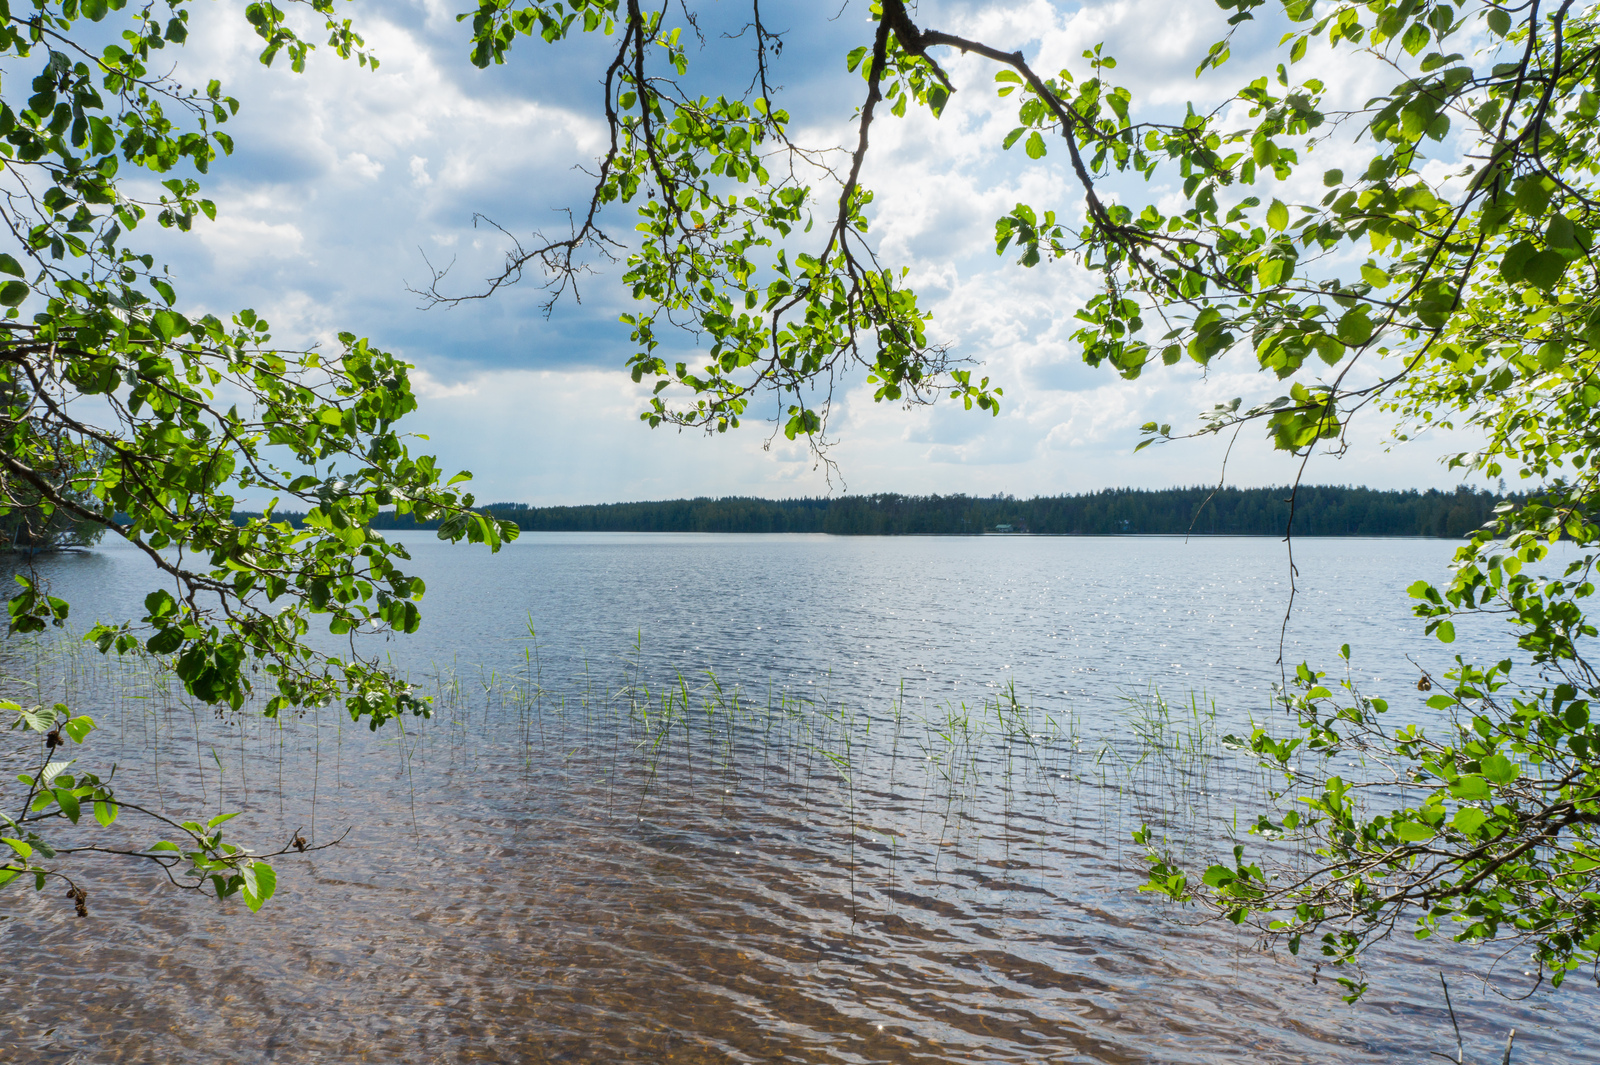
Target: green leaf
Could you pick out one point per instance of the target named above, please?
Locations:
(1035, 146)
(166, 324)
(12, 293)
(165, 641)
(1499, 21)
(1469, 819)
(160, 604)
(1543, 269)
(1515, 260)
(1499, 769)
(1414, 831)
(1355, 328)
(9, 265)
(1533, 196)
(1470, 788)
(105, 812)
(1561, 235)
(259, 884)
(1415, 38)
(1277, 216)
(78, 727)
(68, 803)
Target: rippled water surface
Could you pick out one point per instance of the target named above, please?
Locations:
(751, 799)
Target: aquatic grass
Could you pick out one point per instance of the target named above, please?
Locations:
(924, 780)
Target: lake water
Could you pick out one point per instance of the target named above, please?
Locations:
(893, 828)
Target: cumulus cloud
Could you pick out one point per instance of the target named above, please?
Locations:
(350, 186)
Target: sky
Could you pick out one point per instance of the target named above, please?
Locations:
(347, 184)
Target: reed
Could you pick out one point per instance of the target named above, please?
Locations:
(880, 772)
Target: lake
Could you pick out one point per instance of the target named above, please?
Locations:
(749, 799)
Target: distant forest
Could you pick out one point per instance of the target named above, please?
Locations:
(1319, 511)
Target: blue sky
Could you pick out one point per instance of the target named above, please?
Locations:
(348, 182)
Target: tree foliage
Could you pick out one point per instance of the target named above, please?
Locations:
(730, 243)
(120, 412)
(1457, 295)
(31, 523)
(1319, 510)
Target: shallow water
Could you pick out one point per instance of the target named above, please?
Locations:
(868, 855)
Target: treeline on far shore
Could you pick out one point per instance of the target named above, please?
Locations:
(1319, 510)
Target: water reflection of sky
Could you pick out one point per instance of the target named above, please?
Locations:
(1068, 619)
(527, 886)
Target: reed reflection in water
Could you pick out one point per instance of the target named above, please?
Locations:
(626, 867)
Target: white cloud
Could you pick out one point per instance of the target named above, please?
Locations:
(572, 437)
(245, 236)
(427, 387)
(344, 174)
(360, 165)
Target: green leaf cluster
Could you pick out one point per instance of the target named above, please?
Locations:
(92, 325)
(772, 274)
(1470, 292)
(204, 862)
